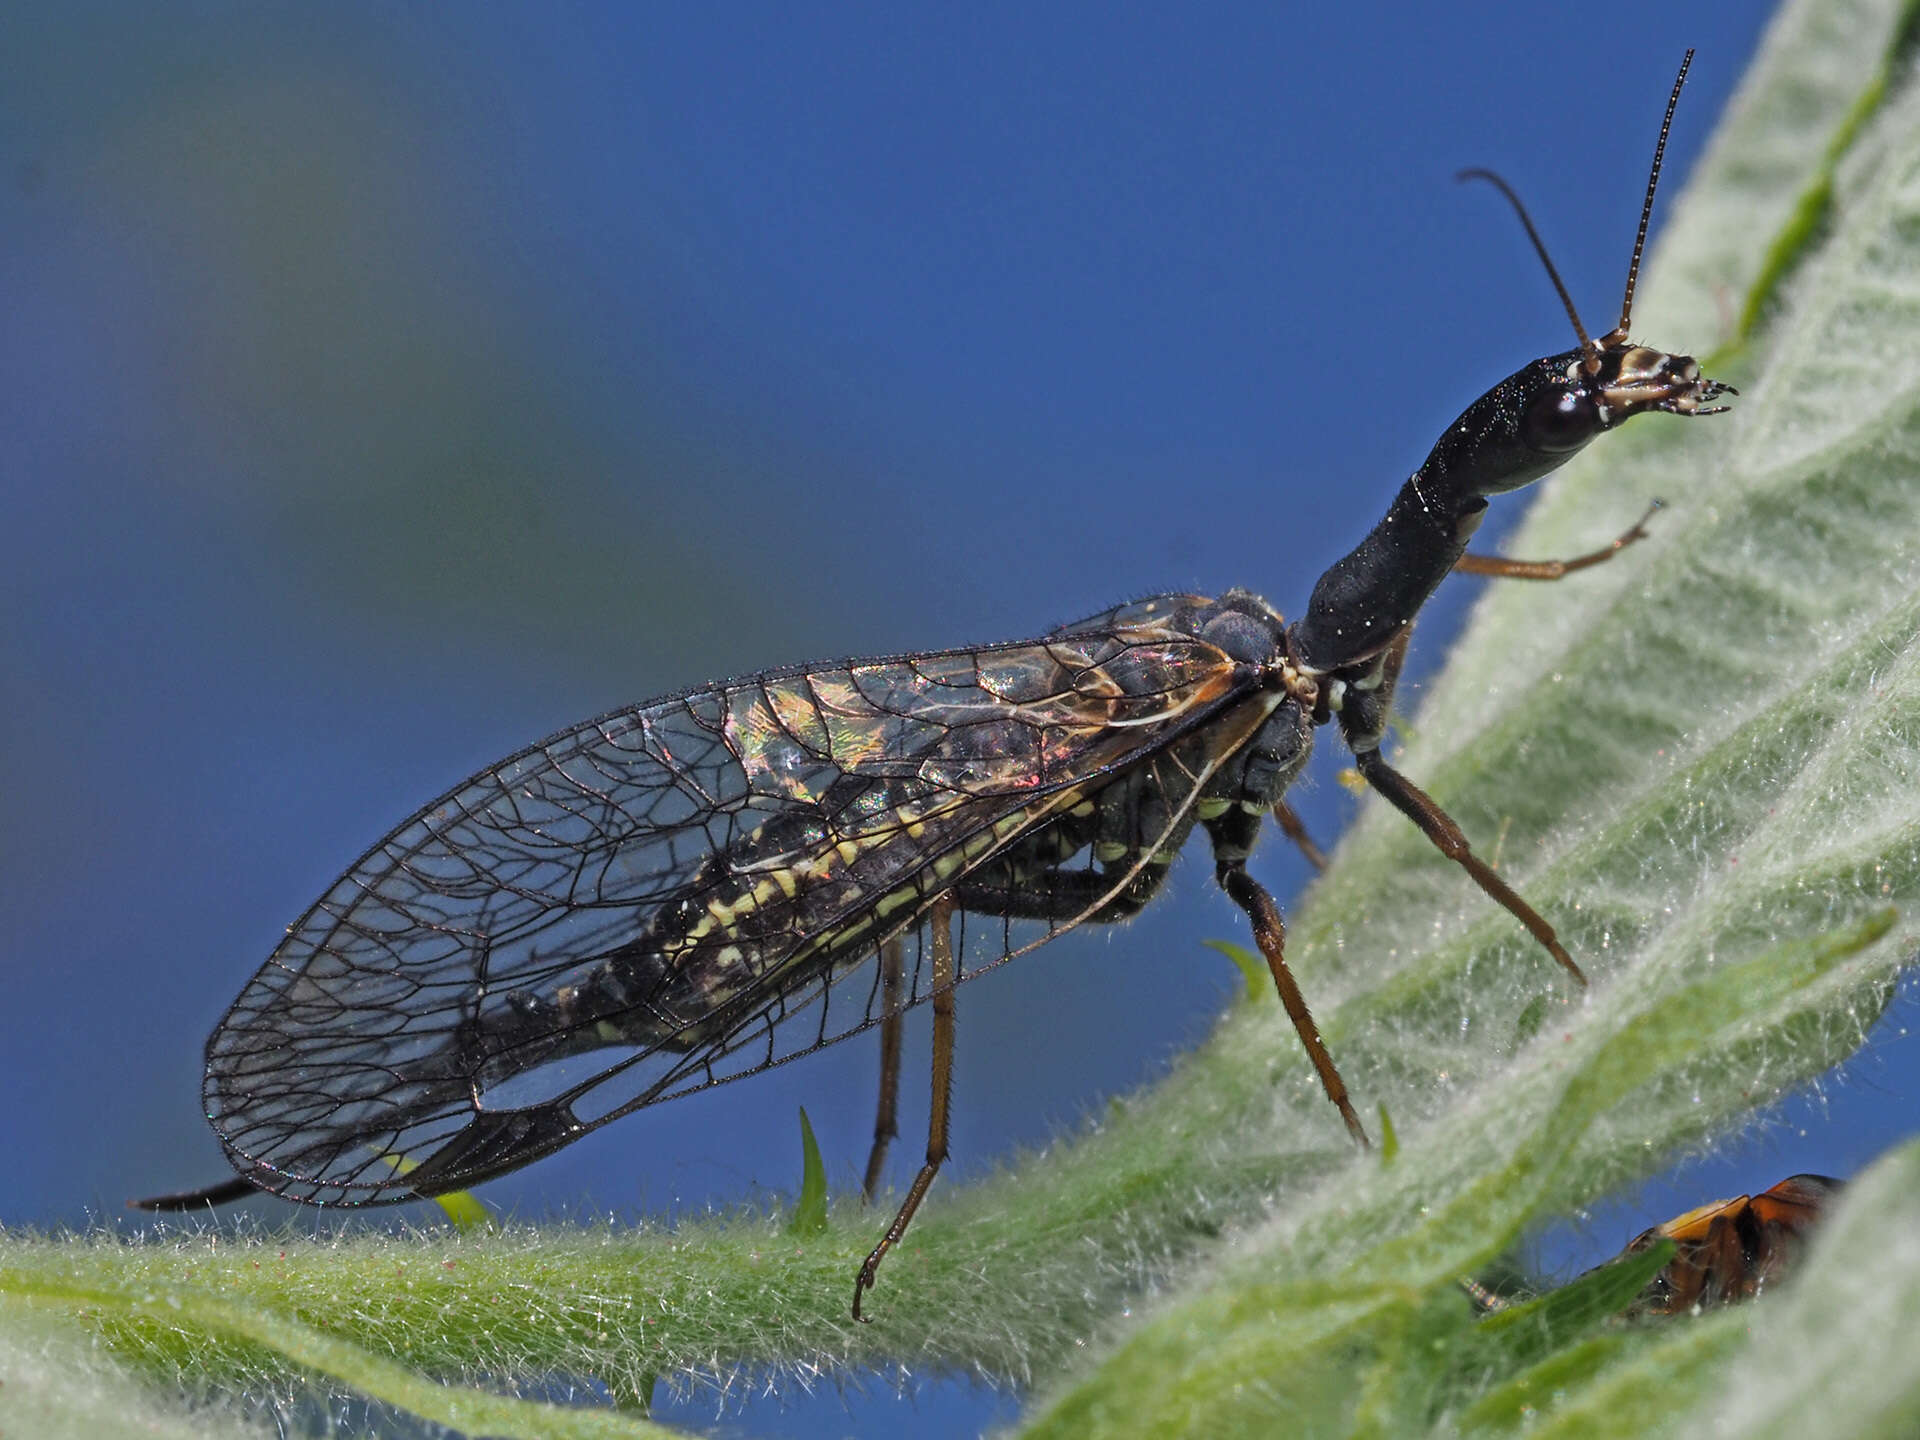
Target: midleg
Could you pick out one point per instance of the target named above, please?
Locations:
(1232, 833)
(892, 1023)
(940, 929)
(1270, 934)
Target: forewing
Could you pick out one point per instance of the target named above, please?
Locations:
(640, 906)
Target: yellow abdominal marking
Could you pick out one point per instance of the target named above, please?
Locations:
(890, 903)
(723, 916)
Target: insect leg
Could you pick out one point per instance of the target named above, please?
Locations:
(885, 1121)
(1295, 830)
(1413, 802)
(1553, 569)
(1232, 834)
(1270, 934)
(940, 929)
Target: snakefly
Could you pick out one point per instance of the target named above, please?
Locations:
(697, 889)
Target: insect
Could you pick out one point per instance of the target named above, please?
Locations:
(1724, 1252)
(697, 889)
(1732, 1249)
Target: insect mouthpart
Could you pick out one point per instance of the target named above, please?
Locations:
(1636, 378)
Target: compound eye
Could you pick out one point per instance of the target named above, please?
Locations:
(1560, 420)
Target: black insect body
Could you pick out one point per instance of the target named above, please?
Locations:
(696, 889)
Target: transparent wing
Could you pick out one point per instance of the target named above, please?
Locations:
(666, 897)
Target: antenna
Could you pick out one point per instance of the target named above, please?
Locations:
(1646, 210)
(1540, 249)
(1617, 336)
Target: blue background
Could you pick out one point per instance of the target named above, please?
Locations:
(385, 387)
